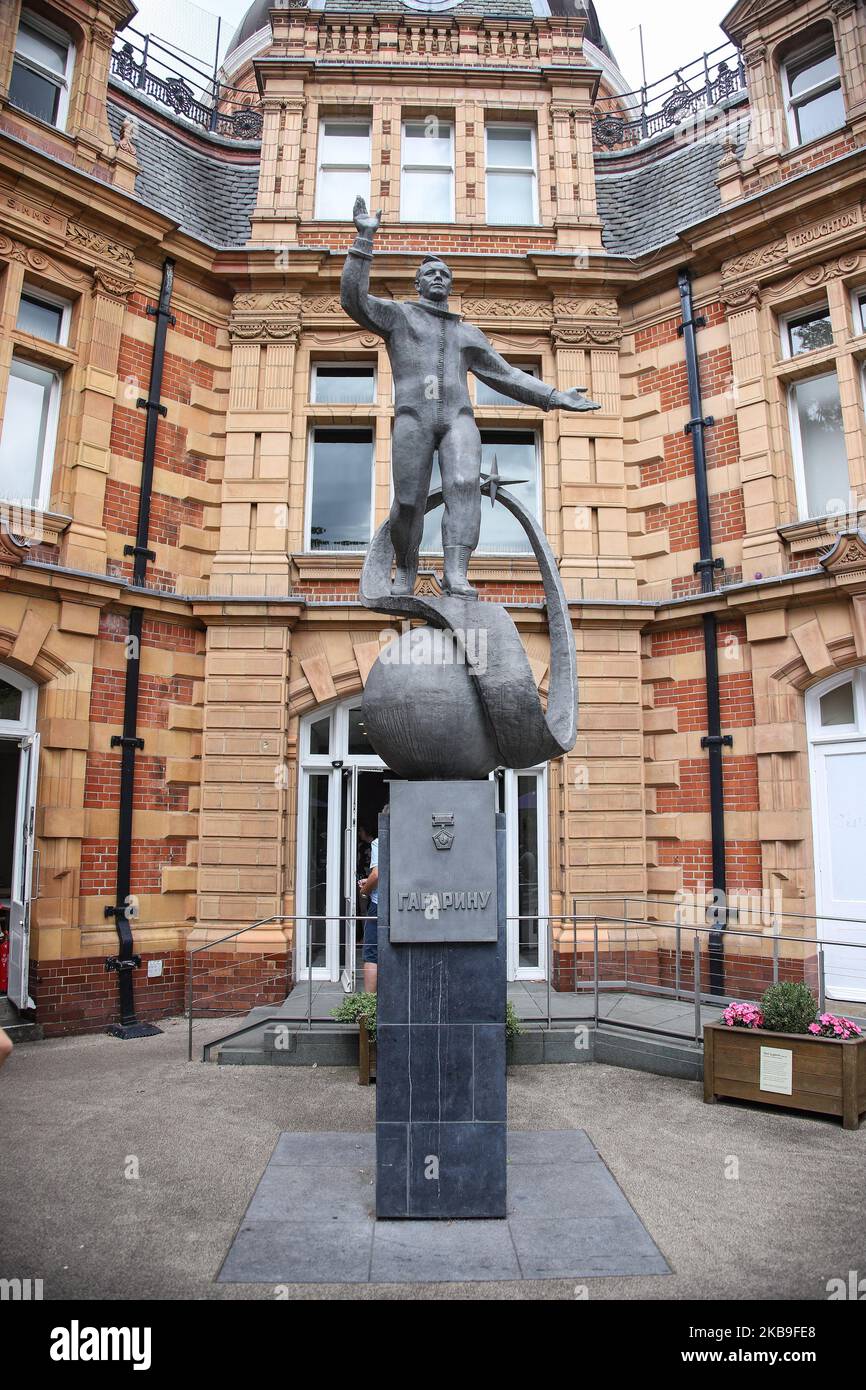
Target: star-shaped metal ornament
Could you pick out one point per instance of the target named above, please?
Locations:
(493, 480)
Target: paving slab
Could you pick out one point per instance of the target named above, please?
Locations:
(567, 1217)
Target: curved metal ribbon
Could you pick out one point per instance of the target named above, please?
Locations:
(524, 734)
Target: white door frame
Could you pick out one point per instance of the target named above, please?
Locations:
(824, 743)
(516, 971)
(23, 732)
(333, 763)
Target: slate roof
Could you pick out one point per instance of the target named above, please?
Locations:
(647, 207)
(208, 197)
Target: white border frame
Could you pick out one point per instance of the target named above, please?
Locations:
(53, 301)
(361, 122)
(814, 50)
(26, 725)
(308, 501)
(64, 85)
(785, 321)
(429, 169)
(511, 169)
(515, 970)
(821, 743)
(315, 363)
(42, 498)
(797, 445)
(323, 763)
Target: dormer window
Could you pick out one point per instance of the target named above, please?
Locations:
(813, 91)
(42, 70)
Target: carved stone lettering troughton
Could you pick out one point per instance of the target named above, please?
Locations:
(804, 237)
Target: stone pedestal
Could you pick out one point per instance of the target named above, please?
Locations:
(440, 1101)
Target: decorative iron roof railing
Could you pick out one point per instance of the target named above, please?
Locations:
(626, 120)
(174, 80)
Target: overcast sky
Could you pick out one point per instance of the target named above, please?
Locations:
(674, 33)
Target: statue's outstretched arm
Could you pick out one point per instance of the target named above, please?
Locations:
(376, 315)
(486, 363)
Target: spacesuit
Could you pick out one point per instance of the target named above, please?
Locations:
(431, 350)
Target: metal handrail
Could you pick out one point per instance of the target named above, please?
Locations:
(176, 81)
(548, 922)
(684, 92)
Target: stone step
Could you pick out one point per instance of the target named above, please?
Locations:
(19, 1029)
(621, 1047)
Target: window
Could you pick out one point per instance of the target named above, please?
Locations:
(819, 446)
(516, 454)
(43, 315)
(427, 176)
(41, 70)
(813, 91)
(837, 707)
(806, 332)
(511, 191)
(341, 489)
(344, 168)
(859, 299)
(488, 395)
(29, 433)
(343, 383)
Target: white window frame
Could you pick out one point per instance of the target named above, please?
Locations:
(362, 123)
(308, 504)
(49, 447)
(26, 722)
(428, 168)
(339, 405)
(814, 51)
(797, 442)
(822, 307)
(531, 369)
(858, 310)
(539, 483)
(832, 733)
(64, 84)
(532, 171)
(54, 301)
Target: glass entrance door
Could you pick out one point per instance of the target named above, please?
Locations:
(342, 789)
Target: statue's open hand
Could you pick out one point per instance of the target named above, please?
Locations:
(575, 399)
(366, 222)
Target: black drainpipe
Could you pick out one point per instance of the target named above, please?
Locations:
(706, 566)
(123, 910)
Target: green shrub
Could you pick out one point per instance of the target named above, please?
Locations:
(788, 1008)
(356, 1006)
(513, 1026)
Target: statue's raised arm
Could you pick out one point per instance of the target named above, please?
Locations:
(371, 313)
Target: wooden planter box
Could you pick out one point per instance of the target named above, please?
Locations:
(827, 1076)
(366, 1054)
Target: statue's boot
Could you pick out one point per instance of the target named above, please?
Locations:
(455, 581)
(405, 575)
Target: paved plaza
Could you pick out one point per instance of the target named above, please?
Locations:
(134, 1171)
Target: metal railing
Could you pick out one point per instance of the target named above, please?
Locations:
(634, 956)
(631, 117)
(177, 81)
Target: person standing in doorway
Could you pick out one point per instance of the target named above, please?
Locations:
(370, 952)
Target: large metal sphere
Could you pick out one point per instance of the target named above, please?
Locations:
(422, 711)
